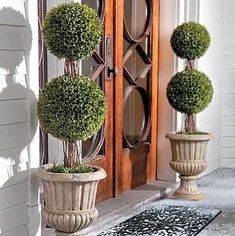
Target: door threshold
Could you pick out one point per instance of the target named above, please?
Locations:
(111, 210)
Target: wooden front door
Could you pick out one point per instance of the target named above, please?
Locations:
(131, 54)
(136, 54)
(126, 145)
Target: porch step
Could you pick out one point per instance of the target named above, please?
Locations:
(115, 210)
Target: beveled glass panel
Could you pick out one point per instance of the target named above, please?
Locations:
(126, 45)
(95, 4)
(142, 82)
(144, 45)
(88, 66)
(100, 80)
(89, 146)
(134, 64)
(135, 14)
(133, 117)
(125, 83)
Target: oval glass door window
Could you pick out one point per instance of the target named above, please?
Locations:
(136, 18)
(135, 116)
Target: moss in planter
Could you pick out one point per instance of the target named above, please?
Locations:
(60, 168)
(192, 133)
(189, 91)
(72, 30)
(71, 108)
(190, 40)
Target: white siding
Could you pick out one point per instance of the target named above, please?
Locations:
(18, 61)
(212, 16)
(219, 65)
(228, 89)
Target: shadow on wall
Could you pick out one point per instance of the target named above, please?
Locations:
(17, 126)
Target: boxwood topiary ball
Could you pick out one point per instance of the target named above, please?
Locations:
(189, 91)
(72, 30)
(71, 108)
(190, 40)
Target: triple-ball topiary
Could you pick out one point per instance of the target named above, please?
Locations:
(72, 31)
(190, 40)
(189, 91)
(71, 108)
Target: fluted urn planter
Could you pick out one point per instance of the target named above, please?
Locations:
(70, 199)
(189, 160)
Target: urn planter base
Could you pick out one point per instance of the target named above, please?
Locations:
(188, 189)
(189, 160)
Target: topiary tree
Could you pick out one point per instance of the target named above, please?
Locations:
(71, 107)
(190, 91)
(190, 41)
(72, 31)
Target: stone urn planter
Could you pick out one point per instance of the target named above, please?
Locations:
(70, 199)
(189, 160)
(189, 92)
(71, 108)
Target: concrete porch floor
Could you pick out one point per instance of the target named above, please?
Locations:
(219, 185)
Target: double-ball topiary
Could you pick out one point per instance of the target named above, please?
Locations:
(190, 40)
(71, 108)
(189, 91)
(72, 31)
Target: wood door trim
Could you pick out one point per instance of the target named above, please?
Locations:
(118, 99)
(109, 101)
(154, 88)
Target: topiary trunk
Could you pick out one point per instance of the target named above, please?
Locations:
(71, 154)
(72, 151)
(71, 67)
(189, 121)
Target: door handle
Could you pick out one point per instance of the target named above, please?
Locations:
(109, 58)
(113, 71)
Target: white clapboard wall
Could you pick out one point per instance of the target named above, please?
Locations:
(212, 16)
(219, 64)
(19, 152)
(227, 151)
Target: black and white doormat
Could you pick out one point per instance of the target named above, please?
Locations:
(165, 221)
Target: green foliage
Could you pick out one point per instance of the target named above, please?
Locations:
(189, 91)
(72, 30)
(190, 40)
(71, 108)
(60, 168)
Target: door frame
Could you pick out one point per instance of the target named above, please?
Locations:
(118, 100)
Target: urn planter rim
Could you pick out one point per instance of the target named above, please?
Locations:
(190, 137)
(70, 177)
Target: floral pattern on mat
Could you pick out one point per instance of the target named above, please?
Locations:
(165, 221)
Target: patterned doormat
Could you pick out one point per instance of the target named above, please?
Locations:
(165, 221)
